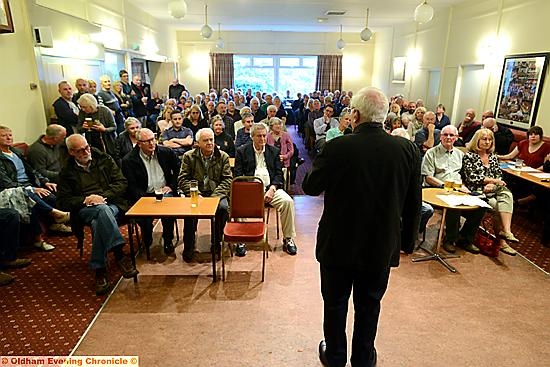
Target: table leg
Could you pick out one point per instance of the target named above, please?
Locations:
(131, 225)
(434, 255)
(213, 247)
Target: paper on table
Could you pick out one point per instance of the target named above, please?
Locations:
(541, 175)
(529, 169)
(458, 200)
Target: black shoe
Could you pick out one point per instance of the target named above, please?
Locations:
(240, 250)
(468, 247)
(168, 247)
(323, 353)
(187, 256)
(128, 269)
(289, 246)
(101, 285)
(449, 247)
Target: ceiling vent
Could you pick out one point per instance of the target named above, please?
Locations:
(335, 12)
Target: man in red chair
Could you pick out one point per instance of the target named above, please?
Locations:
(261, 160)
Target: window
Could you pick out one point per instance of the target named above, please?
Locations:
(275, 73)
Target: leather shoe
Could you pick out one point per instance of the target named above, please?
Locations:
(289, 246)
(469, 247)
(128, 269)
(240, 250)
(5, 278)
(187, 256)
(323, 353)
(101, 285)
(16, 264)
(168, 247)
(449, 247)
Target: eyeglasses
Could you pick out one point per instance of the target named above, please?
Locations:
(81, 150)
(148, 141)
(448, 135)
(197, 112)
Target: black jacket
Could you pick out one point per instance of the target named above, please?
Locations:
(8, 172)
(372, 188)
(136, 174)
(245, 163)
(65, 115)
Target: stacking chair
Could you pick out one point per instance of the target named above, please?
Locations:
(246, 222)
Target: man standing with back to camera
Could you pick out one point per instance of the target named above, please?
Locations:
(371, 211)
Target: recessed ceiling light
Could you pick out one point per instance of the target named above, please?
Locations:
(322, 20)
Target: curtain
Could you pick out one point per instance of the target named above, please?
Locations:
(221, 71)
(329, 72)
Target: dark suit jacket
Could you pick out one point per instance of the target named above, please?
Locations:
(245, 163)
(373, 196)
(65, 115)
(136, 174)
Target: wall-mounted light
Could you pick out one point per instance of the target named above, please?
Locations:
(206, 30)
(340, 44)
(423, 13)
(366, 33)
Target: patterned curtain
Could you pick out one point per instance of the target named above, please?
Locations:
(221, 71)
(329, 72)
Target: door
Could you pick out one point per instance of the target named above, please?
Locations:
(470, 87)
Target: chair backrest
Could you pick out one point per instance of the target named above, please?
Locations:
(247, 198)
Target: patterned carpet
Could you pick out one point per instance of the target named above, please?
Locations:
(52, 301)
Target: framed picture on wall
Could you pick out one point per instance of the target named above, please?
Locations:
(6, 23)
(520, 89)
(399, 65)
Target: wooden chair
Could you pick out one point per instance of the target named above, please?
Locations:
(246, 222)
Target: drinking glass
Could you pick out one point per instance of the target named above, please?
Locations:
(194, 192)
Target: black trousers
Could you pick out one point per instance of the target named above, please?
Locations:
(368, 289)
(9, 233)
(190, 227)
(146, 226)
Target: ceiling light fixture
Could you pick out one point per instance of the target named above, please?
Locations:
(220, 43)
(206, 30)
(340, 43)
(366, 33)
(177, 8)
(423, 13)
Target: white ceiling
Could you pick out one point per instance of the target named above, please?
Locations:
(289, 15)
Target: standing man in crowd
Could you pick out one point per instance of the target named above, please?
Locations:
(47, 154)
(149, 167)
(65, 107)
(140, 95)
(124, 80)
(110, 101)
(82, 87)
(362, 229)
(176, 89)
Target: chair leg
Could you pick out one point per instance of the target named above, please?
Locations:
(223, 261)
(264, 254)
(277, 217)
(177, 231)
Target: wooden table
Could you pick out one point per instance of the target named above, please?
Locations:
(526, 176)
(176, 207)
(429, 195)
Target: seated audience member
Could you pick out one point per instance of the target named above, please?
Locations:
(177, 137)
(124, 100)
(126, 141)
(261, 160)
(210, 167)
(222, 139)
(322, 125)
(281, 140)
(109, 100)
(281, 113)
(271, 112)
(417, 121)
(409, 109)
(486, 115)
(47, 154)
(468, 127)
(97, 124)
(444, 163)
(221, 110)
(405, 122)
(15, 172)
(65, 109)
(343, 125)
(481, 173)
(394, 108)
(532, 150)
(9, 232)
(232, 111)
(243, 135)
(441, 119)
(503, 135)
(154, 107)
(392, 122)
(195, 121)
(165, 120)
(259, 115)
(149, 167)
(92, 186)
(428, 136)
(268, 102)
(238, 124)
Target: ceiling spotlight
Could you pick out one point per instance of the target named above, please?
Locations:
(340, 44)
(220, 43)
(177, 8)
(322, 20)
(366, 33)
(206, 30)
(423, 13)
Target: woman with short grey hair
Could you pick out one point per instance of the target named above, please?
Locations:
(97, 124)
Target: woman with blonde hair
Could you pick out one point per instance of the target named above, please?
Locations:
(164, 120)
(481, 173)
(123, 100)
(416, 123)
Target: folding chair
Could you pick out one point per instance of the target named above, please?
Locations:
(246, 222)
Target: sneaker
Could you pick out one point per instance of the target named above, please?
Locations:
(240, 249)
(128, 269)
(289, 246)
(16, 264)
(5, 278)
(509, 236)
(101, 285)
(61, 228)
(508, 250)
(449, 247)
(44, 246)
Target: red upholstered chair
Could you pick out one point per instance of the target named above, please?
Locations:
(246, 222)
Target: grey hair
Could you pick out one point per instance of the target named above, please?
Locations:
(131, 120)
(104, 77)
(371, 103)
(88, 100)
(244, 110)
(141, 131)
(275, 120)
(451, 127)
(256, 127)
(54, 130)
(72, 139)
(217, 118)
(246, 115)
(272, 108)
(203, 130)
(401, 132)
